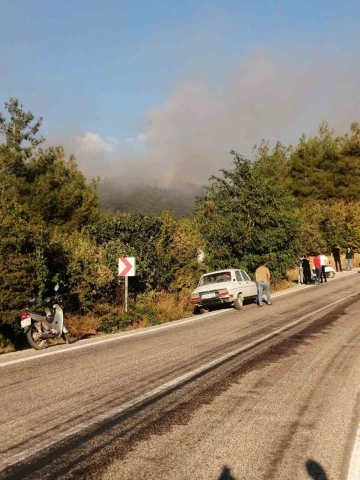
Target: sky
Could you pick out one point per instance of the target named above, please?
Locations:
(160, 92)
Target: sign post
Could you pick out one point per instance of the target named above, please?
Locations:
(126, 292)
(126, 269)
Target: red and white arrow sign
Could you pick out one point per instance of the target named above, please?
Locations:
(126, 267)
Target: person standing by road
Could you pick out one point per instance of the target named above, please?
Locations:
(301, 271)
(349, 256)
(336, 254)
(324, 263)
(317, 266)
(306, 270)
(263, 276)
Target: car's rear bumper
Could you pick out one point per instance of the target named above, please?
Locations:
(212, 302)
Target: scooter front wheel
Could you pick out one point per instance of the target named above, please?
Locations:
(34, 340)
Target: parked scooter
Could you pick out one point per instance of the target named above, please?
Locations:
(40, 328)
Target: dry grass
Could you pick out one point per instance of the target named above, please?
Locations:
(144, 323)
(7, 349)
(175, 305)
(281, 285)
(166, 306)
(82, 327)
(291, 276)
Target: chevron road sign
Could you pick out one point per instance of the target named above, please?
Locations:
(126, 267)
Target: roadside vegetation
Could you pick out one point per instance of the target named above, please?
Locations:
(287, 202)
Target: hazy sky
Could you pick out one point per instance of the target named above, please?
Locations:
(165, 90)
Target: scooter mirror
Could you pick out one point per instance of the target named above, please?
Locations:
(56, 288)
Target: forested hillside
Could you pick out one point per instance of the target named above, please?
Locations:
(147, 199)
(288, 201)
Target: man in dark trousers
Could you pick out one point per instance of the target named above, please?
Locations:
(336, 255)
(306, 270)
(349, 257)
(324, 263)
(317, 266)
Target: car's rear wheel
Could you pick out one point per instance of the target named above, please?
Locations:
(203, 310)
(239, 303)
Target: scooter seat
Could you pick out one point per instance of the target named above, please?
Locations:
(34, 312)
(37, 316)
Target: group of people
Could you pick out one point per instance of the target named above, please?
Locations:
(305, 274)
(349, 257)
(263, 276)
(320, 263)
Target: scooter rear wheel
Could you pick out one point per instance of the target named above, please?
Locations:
(34, 340)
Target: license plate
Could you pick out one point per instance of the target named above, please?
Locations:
(208, 295)
(25, 322)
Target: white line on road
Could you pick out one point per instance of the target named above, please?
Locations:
(71, 348)
(354, 469)
(61, 436)
(147, 331)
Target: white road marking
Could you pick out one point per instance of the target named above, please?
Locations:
(45, 444)
(354, 469)
(64, 349)
(149, 330)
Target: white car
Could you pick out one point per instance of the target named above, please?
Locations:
(229, 286)
(329, 272)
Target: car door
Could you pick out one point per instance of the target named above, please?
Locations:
(251, 287)
(241, 284)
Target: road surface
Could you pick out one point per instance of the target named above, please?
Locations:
(269, 393)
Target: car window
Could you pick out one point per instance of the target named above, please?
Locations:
(238, 276)
(245, 275)
(215, 278)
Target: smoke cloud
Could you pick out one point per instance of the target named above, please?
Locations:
(268, 94)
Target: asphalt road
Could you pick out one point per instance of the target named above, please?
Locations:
(270, 393)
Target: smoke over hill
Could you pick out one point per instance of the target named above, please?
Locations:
(265, 94)
(147, 199)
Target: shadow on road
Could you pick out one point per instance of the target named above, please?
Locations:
(83, 337)
(226, 474)
(315, 470)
